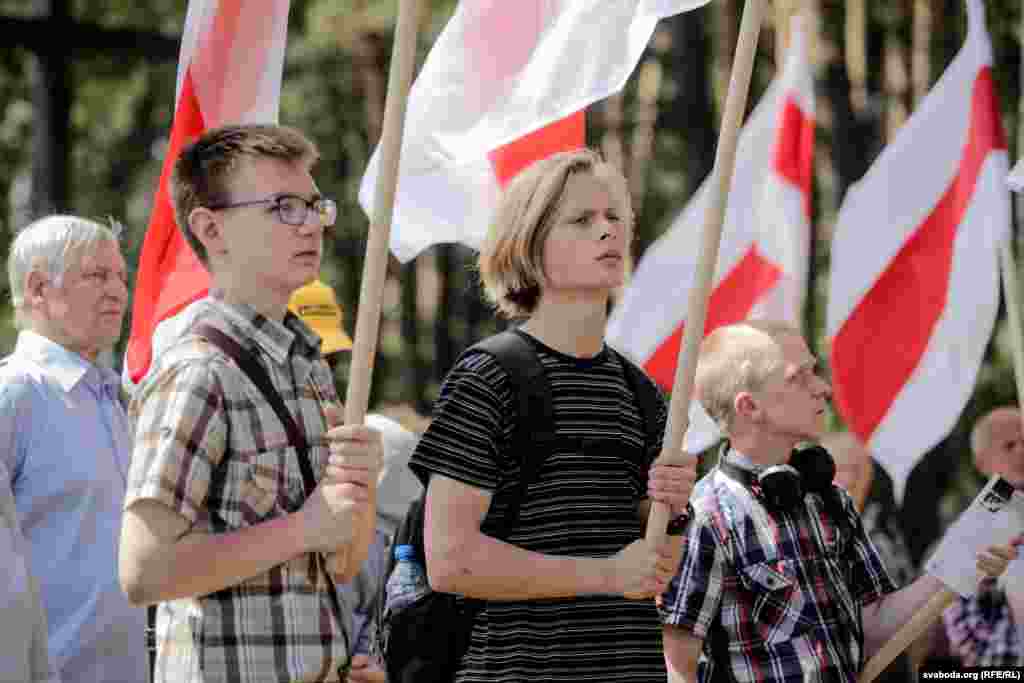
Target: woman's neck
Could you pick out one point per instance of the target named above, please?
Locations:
(570, 327)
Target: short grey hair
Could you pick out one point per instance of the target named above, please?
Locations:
(46, 244)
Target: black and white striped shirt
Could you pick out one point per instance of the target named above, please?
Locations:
(583, 502)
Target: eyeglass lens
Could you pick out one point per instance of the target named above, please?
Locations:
(295, 210)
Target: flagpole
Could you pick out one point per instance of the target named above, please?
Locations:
(935, 606)
(364, 344)
(371, 292)
(910, 631)
(938, 602)
(725, 161)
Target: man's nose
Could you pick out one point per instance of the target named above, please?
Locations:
(117, 287)
(608, 229)
(312, 225)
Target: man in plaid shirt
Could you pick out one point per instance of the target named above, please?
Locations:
(771, 589)
(218, 528)
(984, 630)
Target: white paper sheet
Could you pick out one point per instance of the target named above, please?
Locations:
(994, 517)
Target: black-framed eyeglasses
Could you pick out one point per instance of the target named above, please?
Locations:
(291, 209)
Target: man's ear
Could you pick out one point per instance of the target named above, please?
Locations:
(35, 285)
(207, 229)
(746, 406)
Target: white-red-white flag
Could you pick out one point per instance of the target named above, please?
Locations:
(499, 71)
(915, 267)
(229, 71)
(762, 261)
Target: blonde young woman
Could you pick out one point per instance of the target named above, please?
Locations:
(555, 606)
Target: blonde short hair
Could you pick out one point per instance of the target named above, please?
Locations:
(511, 261)
(734, 359)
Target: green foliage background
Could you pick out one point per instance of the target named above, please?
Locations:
(122, 106)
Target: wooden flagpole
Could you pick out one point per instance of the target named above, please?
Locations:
(910, 632)
(933, 609)
(371, 293)
(364, 345)
(711, 237)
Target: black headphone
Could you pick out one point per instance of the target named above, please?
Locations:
(782, 487)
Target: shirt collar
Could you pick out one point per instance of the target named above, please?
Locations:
(274, 338)
(67, 367)
(738, 459)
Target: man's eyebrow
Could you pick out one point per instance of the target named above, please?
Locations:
(312, 198)
(807, 365)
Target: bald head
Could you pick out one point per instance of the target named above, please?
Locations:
(997, 442)
(854, 468)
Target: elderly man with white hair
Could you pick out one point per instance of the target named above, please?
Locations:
(64, 442)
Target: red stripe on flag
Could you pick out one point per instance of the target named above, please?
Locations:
(905, 303)
(562, 135)
(170, 277)
(794, 149)
(730, 302)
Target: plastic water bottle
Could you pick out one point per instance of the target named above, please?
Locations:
(408, 581)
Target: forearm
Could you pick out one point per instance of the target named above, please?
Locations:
(486, 568)
(200, 563)
(884, 617)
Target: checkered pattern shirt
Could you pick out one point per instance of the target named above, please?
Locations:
(208, 446)
(982, 631)
(774, 597)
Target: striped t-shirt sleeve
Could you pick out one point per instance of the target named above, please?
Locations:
(471, 423)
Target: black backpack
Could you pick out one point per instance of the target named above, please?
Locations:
(424, 641)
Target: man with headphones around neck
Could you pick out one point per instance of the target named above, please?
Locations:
(778, 580)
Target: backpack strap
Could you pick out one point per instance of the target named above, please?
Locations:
(648, 397)
(535, 429)
(247, 363)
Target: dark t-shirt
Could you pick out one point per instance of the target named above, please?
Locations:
(583, 502)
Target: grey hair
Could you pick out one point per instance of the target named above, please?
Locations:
(46, 244)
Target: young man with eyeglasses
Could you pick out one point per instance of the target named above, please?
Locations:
(218, 529)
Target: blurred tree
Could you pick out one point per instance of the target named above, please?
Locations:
(91, 113)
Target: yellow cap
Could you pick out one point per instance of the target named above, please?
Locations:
(317, 306)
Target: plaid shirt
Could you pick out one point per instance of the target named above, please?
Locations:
(981, 629)
(775, 597)
(210, 447)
